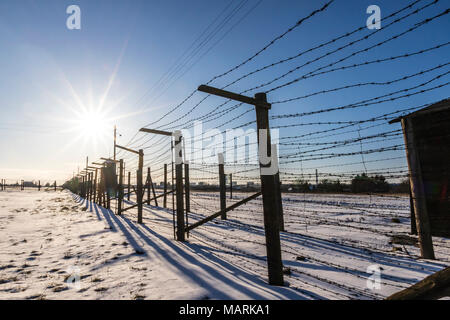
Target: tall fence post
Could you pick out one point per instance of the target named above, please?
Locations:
(187, 188)
(148, 186)
(91, 186)
(120, 195)
(268, 181)
(270, 203)
(139, 184)
(179, 186)
(129, 182)
(165, 186)
(39, 185)
(222, 187)
(95, 185)
(418, 192)
(85, 186)
(88, 186)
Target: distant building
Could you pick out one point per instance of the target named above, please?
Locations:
(28, 184)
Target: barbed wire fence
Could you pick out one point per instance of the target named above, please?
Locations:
(321, 148)
(15, 184)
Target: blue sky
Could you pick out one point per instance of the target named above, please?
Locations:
(124, 47)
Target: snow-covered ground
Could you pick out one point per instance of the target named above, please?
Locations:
(330, 242)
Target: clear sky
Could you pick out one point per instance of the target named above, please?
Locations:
(54, 82)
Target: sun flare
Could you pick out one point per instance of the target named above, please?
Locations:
(93, 125)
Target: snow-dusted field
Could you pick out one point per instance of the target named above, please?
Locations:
(330, 241)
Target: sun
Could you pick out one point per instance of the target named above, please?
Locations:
(93, 124)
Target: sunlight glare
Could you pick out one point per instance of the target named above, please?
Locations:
(93, 125)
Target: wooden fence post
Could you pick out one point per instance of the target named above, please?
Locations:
(92, 197)
(95, 185)
(91, 185)
(165, 186)
(433, 287)
(418, 192)
(139, 191)
(270, 203)
(88, 186)
(179, 187)
(39, 185)
(148, 185)
(222, 187)
(268, 182)
(108, 197)
(187, 188)
(129, 181)
(120, 195)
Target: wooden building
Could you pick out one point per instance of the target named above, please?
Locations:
(427, 140)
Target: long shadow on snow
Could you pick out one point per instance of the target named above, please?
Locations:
(198, 250)
(212, 271)
(313, 243)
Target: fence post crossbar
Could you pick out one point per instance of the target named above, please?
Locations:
(217, 214)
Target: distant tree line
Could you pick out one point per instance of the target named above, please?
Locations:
(359, 184)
